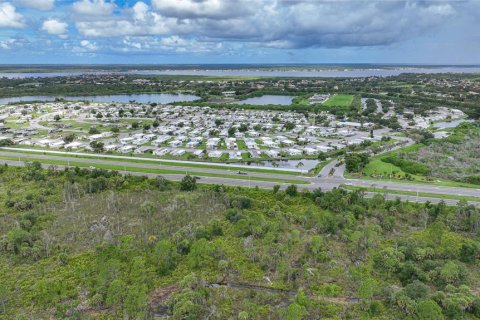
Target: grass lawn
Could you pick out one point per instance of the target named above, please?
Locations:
(155, 171)
(339, 100)
(241, 145)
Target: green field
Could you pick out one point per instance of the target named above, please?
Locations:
(339, 100)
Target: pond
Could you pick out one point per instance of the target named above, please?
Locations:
(162, 98)
(450, 124)
(285, 164)
(267, 99)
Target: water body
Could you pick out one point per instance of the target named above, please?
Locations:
(267, 99)
(451, 124)
(286, 164)
(292, 73)
(163, 98)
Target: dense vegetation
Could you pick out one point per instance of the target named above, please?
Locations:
(456, 157)
(91, 244)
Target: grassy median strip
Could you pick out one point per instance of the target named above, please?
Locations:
(160, 163)
(154, 171)
(413, 193)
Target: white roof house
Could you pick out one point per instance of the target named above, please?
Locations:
(294, 152)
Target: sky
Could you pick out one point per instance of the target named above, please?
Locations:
(239, 31)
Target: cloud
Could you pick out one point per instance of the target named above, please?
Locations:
(93, 7)
(9, 17)
(214, 9)
(276, 23)
(44, 5)
(55, 27)
(88, 45)
(7, 44)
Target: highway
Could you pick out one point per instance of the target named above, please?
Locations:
(323, 181)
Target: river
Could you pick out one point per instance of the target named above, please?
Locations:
(292, 73)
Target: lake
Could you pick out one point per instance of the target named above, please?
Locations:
(267, 99)
(292, 73)
(162, 98)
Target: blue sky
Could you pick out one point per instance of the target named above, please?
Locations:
(239, 31)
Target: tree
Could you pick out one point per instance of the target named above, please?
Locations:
(276, 188)
(355, 162)
(429, 310)
(69, 138)
(201, 254)
(188, 183)
(416, 290)
(57, 117)
(295, 312)
(93, 130)
(291, 190)
(165, 256)
(243, 127)
(97, 146)
(231, 131)
(135, 125)
(289, 126)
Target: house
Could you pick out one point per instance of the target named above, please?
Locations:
(272, 153)
(231, 143)
(43, 142)
(193, 144)
(74, 145)
(254, 154)
(126, 149)
(177, 152)
(127, 140)
(251, 144)
(215, 154)
(288, 142)
(324, 148)
(235, 155)
(161, 140)
(140, 141)
(294, 152)
(310, 151)
(95, 137)
(145, 149)
(175, 143)
(198, 153)
(110, 147)
(160, 152)
(212, 143)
